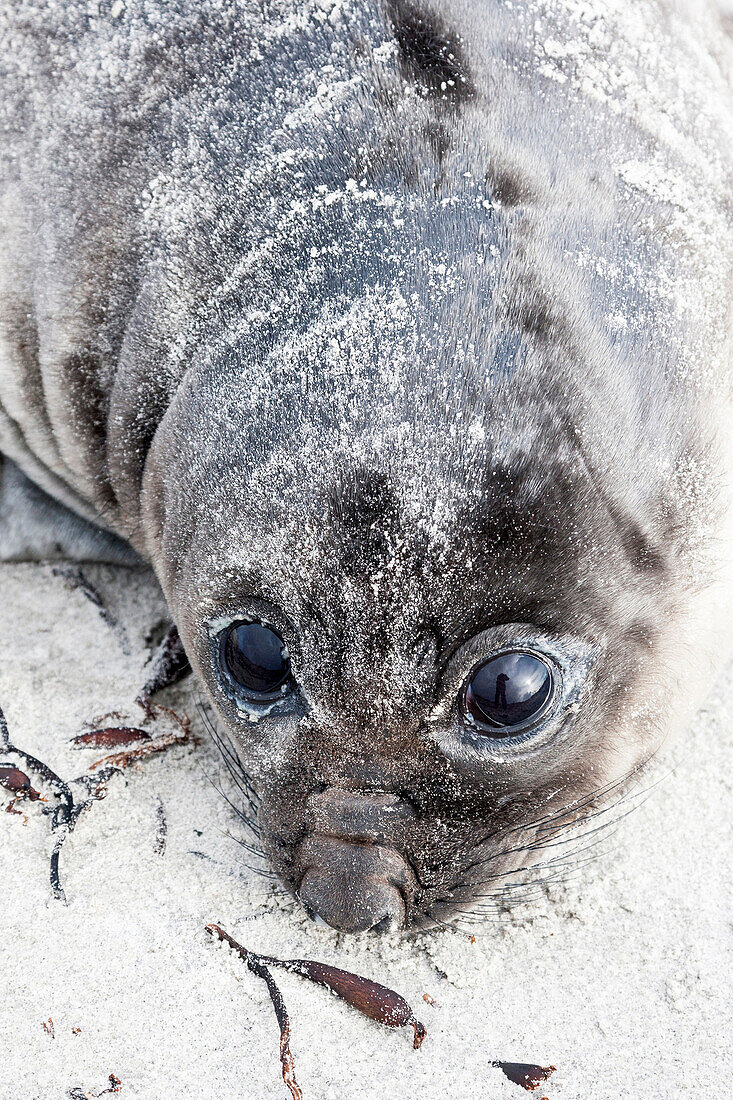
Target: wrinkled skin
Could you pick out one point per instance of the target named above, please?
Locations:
(384, 326)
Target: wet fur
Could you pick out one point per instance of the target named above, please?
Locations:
(385, 353)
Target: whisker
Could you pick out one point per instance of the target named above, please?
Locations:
(263, 872)
(241, 790)
(569, 859)
(247, 814)
(640, 796)
(243, 844)
(564, 811)
(237, 809)
(233, 765)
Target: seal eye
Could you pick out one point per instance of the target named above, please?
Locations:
(507, 692)
(253, 658)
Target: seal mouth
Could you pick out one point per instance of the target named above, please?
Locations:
(353, 876)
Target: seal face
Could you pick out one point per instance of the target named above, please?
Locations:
(398, 347)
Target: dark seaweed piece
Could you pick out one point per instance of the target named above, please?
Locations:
(258, 968)
(63, 816)
(13, 779)
(169, 665)
(149, 747)
(67, 810)
(529, 1076)
(78, 1093)
(374, 1000)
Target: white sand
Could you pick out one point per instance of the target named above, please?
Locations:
(621, 979)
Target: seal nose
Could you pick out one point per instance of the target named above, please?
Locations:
(355, 887)
(380, 817)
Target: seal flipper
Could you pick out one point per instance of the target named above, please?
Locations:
(35, 527)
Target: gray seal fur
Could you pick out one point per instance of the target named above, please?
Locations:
(405, 328)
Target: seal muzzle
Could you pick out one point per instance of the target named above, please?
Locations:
(353, 877)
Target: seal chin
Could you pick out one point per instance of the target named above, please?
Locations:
(355, 887)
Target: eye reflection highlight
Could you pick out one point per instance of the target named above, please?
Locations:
(508, 691)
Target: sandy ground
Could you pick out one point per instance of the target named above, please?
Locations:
(622, 979)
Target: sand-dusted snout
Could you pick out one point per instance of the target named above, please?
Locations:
(353, 877)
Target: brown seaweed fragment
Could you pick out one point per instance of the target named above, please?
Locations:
(150, 747)
(257, 967)
(15, 780)
(110, 737)
(79, 1094)
(169, 665)
(66, 811)
(528, 1076)
(376, 1001)
(63, 815)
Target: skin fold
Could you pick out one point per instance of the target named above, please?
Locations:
(404, 329)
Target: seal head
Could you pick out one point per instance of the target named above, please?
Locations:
(393, 335)
(427, 587)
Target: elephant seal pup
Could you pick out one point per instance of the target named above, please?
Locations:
(396, 336)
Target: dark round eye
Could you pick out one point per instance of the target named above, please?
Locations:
(508, 691)
(253, 657)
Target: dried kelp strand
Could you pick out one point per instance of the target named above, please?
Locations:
(67, 810)
(258, 968)
(370, 998)
(143, 750)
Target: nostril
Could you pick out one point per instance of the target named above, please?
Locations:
(355, 887)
